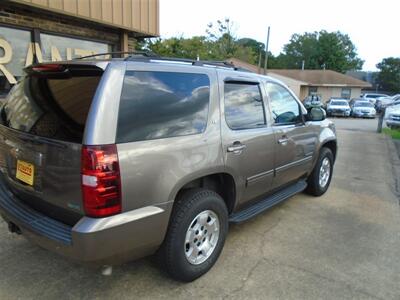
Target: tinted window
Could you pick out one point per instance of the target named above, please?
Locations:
(162, 104)
(285, 109)
(243, 106)
(53, 108)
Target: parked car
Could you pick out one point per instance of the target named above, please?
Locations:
(395, 101)
(393, 120)
(312, 101)
(108, 161)
(363, 109)
(338, 108)
(386, 101)
(371, 97)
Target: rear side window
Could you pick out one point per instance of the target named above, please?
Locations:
(244, 107)
(158, 105)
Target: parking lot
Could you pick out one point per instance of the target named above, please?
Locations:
(343, 245)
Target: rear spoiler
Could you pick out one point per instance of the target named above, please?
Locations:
(63, 71)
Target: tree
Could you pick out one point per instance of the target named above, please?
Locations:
(321, 50)
(222, 38)
(389, 75)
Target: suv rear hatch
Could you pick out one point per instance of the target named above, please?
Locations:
(43, 121)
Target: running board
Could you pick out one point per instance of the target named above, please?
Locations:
(268, 202)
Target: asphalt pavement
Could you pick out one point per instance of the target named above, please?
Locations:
(343, 245)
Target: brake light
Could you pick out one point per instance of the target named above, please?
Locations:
(101, 181)
(48, 68)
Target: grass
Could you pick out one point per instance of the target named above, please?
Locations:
(394, 133)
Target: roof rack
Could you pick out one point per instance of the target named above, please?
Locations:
(148, 56)
(142, 53)
(193, 62)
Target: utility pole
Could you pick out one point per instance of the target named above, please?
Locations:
(259, 59)
(266, 53)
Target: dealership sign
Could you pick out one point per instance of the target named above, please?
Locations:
(34, 49)
(18, 51)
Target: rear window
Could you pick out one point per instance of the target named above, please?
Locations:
(52, 108)
(158, 105)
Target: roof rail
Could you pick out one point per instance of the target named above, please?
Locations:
(148, 56)
(193, 62)
(142, 53)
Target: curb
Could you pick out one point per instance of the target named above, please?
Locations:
(394, 158)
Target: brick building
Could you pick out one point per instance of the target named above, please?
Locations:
(53, 30)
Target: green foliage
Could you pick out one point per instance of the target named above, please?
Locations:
(321, 50)
(389, 75)
(394, 133)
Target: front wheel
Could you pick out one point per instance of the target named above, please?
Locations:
(320, 178)
(196, 234)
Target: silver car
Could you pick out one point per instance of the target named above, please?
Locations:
(108, 161)
(338, 107)
(363, 109)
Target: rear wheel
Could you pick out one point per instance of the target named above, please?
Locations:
(196, 234)
(320, 178)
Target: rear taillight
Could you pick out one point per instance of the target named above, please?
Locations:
(101, 182)
(48, 68)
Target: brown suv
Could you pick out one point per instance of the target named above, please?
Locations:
(106, 161)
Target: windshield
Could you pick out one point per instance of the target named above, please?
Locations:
(375, 96)
(339, 103)
(363, 104)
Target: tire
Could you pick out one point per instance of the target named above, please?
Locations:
(188, 215)
(317, 187)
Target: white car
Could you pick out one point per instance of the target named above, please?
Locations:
(363, 109)
(338, 108)
(393, 119)
(371, 97)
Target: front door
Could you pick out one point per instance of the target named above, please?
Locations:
(248, 140)
(295, 141)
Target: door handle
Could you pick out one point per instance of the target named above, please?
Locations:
(283, 141)
(236, 148)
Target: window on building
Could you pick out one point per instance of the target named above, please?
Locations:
(285, 109)
(56, 47)
(157, 105)
(14, 44)
(346, 93)
(312, 90)
(17, 50)
(244, 107)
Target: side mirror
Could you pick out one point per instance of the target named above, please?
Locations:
(316, 114)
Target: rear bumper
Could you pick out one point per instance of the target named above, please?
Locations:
(110, 240)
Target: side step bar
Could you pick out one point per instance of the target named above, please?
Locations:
(268, 202)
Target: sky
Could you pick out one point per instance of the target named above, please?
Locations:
(373, 26)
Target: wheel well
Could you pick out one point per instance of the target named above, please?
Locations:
(221, 183)
(332, 146)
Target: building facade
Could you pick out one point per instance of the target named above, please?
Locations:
(54, 30)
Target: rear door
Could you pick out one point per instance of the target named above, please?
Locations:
(43, 121)
(247, 139)
(295, 140)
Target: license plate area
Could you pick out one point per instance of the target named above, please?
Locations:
(25, 172)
